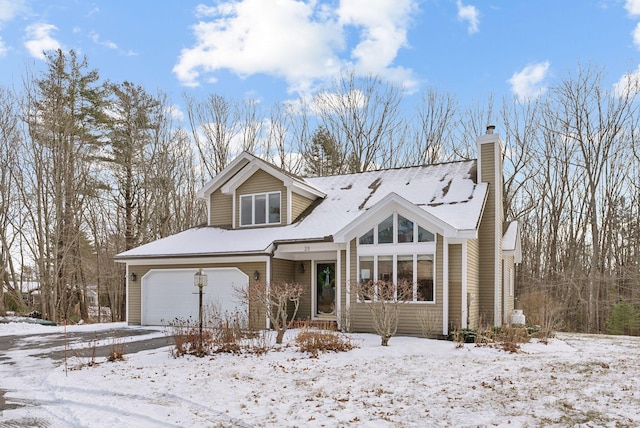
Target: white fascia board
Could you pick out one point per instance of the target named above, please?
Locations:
(463, 235)
(379, 211)
(219, 179)
(516, 254)
(256, 164)
(241, 176)
(511, 243)
(194, 260)
(305, 247)
(306, 190)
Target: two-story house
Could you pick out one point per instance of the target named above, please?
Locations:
(439, 227)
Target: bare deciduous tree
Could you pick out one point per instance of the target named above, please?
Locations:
(362, 114)
(383, 299)
(434, 128)
(214, 123)
(9, 180)
(274, 299)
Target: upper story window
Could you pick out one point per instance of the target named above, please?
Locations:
(259, 209)
(396, 229)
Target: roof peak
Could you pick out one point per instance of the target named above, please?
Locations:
(397, 168)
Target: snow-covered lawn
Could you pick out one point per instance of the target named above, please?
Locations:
(575, 379)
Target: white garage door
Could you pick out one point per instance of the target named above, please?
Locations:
(168, 294)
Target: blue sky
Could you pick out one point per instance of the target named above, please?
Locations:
(275, 50)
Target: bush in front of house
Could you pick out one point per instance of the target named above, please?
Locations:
(383, 299)
(507, 338)
(314, 341)
(279, 300)
(221, 333)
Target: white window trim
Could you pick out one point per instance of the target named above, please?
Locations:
(414, 298)
(253, 211)
(395, 215)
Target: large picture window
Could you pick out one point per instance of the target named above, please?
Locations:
(259, 209)
(415, 269)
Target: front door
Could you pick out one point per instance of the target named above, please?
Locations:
(325, 290)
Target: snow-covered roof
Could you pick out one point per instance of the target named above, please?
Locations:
(511, 241)
(246, 164)
(447, 192)
(25, 286)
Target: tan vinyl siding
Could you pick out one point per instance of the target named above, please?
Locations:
(455, 285)
(304, 279)
(221, 209)
(473, 277)
(299, 203)
(256, 316)
(262, 182)
(284, 271)
(487, 236)
(409, 313)
(487, 157)
(134, 295)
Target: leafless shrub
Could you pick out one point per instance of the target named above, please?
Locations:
(116, 352)
(383, 299)
(542, 310)
(187, 338)
(458, 337)
(222, 333)
(507, 338)
(313, 341)
(275, 298)
(428, 321)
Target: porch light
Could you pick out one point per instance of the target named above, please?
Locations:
(200, 278)
(133, 277)
(302, 267)
(256, 275)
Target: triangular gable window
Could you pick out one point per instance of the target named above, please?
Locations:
(396, 229)
(367, 238)
(424, 235)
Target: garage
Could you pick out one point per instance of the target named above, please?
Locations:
(168, 294)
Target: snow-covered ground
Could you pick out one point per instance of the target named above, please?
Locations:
(574, 380)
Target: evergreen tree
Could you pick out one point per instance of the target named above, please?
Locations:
(324, 155)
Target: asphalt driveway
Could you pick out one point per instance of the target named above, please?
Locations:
(48, 345)
(83, 346)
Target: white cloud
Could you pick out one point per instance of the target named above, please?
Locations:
(107, 43)
(636, 35)
(470, 14)
(302, 42)
(383, 30)
(3, 48)
(633, 7)
(39, 39)
(9, 9)
(527, 83)
(175, 112)
(334, 102)
(628, 84)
